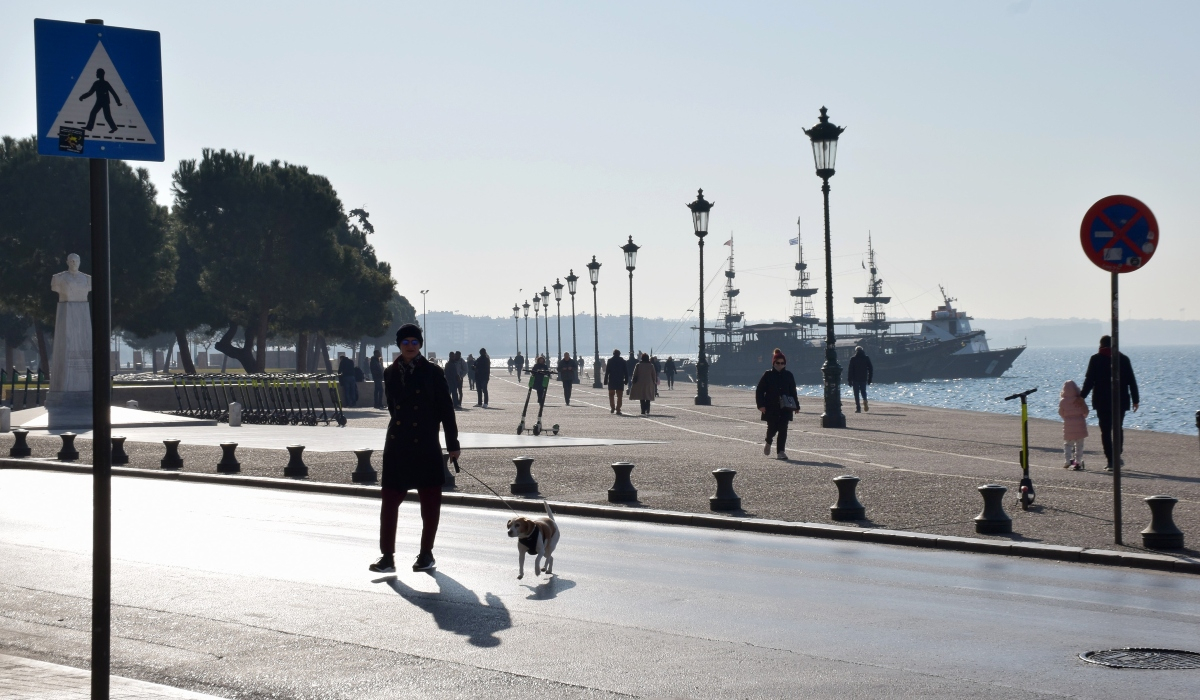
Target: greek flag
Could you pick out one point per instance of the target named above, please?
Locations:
(794, 241)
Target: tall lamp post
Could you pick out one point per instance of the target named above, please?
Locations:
(525, 306)
(630, 250)
(424, 327)
(700, 209)
(594, 274)
(824, 136)
(571, 280)
(537, 349)
(517, 326)
(558, 287)
(546, 318)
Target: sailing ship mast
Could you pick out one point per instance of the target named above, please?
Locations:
(874, 317)
(802, 311)
(729, 301)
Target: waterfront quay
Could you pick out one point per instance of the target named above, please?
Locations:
(920, 467)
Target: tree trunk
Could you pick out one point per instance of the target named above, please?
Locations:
(185, 352)
(43, 352)
(260, 340)
(302, 352)
(325, 352)
(154, 360)
(243, 354)
(362, 355)
(8, 357)
(168, 354)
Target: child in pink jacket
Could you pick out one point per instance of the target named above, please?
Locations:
(1073, 410)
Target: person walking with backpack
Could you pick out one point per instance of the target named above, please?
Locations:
(1099, 380)
(418, 402)
(483, 373)
(860, 373)
(777, 401)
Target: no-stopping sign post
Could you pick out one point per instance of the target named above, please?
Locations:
(1119, 234)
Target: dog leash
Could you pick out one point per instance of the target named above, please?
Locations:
(489, 488)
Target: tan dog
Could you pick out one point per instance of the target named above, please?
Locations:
(538, 536)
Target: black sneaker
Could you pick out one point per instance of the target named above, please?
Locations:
(424, 562)
(385, 565)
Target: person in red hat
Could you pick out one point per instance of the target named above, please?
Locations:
(777, 401)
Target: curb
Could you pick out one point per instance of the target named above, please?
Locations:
(1135, 560)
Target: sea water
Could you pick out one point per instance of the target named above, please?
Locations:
(1168, 379)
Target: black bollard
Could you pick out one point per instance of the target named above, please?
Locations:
(1198, 420)
(622, 490)
(296, 468)
(20, 447)
(68, 453)
(1162, 533)
(993, 520)
(524, 483)
(364, 473)
(847, 506)
(726, 498)
(447, 475)
(171, 461)
(118, 450)
(229, 463)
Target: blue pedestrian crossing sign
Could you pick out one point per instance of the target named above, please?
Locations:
(99, 91)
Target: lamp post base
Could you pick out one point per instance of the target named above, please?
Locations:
(702, 397)
(833, 416)
(596, 374)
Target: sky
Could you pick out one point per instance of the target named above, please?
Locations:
(498, 146)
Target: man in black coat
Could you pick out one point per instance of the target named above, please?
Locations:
(520, 364)
(418, 402)
(377, 376)
(483, 372)
(859, 374)
(1099, 378)
(616, 375)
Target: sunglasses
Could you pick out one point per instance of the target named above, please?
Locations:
(411, 341)
(777, 362)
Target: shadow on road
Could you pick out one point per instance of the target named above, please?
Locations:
(549, 589)
(455, 608)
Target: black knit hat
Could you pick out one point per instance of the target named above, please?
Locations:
(409, 330)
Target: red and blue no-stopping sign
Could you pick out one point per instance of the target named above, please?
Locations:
(1119, 234)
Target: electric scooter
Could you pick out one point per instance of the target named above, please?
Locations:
(1027, 494)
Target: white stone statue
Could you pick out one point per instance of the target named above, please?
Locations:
(71, 365)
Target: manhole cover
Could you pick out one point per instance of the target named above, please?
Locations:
(1158, 659)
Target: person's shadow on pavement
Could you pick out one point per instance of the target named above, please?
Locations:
(456, 608)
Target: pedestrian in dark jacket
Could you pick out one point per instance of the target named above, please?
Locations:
(483, 373)
(418, 404)
(860, 373)
(644, 386)
(510, 364)
(567, 369)
(669, 371)
(777, 401)
(377, 377)
(1099, 380)
(520, 364)
(471, 371)
(616, 374)
(346, 379)
(453, 382)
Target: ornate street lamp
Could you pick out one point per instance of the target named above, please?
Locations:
(571, 280)
(594, 273)
(630, 250)
(558, 287)
(700, 209)
(537, 348)
(424, 327)
(517, 326)
(824, 136)
(546, 316)
(526, 307)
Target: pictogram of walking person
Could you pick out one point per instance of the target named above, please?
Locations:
(101, 89)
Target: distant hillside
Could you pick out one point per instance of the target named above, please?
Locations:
(1078, 332)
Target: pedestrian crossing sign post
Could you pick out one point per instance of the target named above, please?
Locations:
(99, 91)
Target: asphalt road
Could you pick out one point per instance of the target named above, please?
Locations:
(265, 594)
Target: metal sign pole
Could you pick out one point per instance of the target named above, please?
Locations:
(101, 430)
(1115, 373)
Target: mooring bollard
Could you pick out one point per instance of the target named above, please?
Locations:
(449, 482)
(1198, 422)
(68, 453)
(229, 463)
(1162, 533)
(524, 483)
(296, 468)
(622, 490)
(235, 415)
(171, 461)
(847, 506)
(118, 451)
(131, 404)
(726, 498)
(5, 419)
(993, 520)
(363, 473)
(20, 448)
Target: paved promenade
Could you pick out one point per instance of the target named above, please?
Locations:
(920, 467)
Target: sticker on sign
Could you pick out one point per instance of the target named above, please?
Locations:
(1119, 234)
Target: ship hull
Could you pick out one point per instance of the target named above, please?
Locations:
(976, 365)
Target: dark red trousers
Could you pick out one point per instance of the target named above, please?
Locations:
(431, 511)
